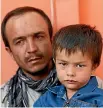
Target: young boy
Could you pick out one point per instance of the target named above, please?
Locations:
(77, 52)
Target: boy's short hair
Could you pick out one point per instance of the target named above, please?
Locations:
(79, 37)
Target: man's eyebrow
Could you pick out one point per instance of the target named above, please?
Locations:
(40, 32)
(36, 33)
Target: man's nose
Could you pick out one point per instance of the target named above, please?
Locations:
(71, 71)
(31, 46)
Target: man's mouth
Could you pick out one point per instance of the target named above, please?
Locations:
(34, 59)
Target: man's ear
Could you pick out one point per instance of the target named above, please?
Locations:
(51, 40)
(9, 51)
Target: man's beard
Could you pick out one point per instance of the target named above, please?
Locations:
(44, 71)
(41, 72)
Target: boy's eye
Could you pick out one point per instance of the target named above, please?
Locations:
(63, 64)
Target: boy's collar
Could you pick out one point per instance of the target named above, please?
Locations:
(61, 90)
(89, 87)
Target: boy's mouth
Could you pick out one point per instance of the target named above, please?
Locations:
(71, 81)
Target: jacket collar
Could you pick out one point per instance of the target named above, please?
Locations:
(89, 87)
(60, 91)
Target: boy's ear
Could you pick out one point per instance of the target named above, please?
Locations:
(94, 67)
(9, 51)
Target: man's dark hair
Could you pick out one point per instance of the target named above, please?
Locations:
(23, 10)
(79, 37)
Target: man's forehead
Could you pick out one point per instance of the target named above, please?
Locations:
(29, 19)
(23, 25)
(26, 15)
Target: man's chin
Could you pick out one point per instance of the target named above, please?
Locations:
(38, 71)
(35, 73)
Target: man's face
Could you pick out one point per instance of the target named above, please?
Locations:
(29, 41)
(73, 70)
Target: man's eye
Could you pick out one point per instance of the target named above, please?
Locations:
(19, 42)
(80, 65)
(39, 36)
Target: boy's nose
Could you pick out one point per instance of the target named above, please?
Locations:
(70, 71)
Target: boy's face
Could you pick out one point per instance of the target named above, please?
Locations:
(73, 70)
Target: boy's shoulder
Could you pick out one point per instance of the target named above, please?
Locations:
(91, 88)
(99, 91)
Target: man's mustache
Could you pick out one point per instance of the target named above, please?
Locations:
(33, 57)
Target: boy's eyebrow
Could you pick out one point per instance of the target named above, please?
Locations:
(74, 62)
(80, 62)
(61, 60)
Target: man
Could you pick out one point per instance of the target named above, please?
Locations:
(27, 35)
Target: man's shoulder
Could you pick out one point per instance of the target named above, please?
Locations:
(100, 82)
(4, 87)
(3, 93)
